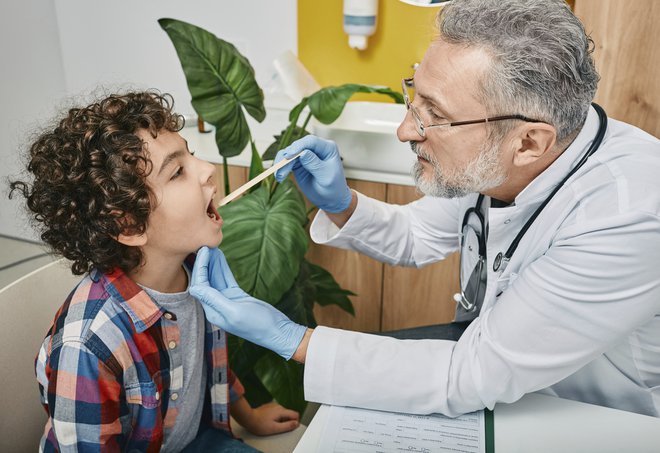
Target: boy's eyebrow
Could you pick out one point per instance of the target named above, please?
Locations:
(170, 158)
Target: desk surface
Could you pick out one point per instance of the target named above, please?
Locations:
(541, 423)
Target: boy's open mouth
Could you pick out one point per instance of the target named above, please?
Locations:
(212, 211)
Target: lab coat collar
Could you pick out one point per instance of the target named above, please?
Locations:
(543, 184)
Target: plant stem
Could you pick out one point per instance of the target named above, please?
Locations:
(225, 171)
(286, 138)
(309, 117)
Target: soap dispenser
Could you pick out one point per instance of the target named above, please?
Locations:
(360, 21)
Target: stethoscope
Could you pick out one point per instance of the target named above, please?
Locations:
(502, 260)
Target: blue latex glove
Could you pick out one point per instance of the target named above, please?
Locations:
(229, 307)
(319, 172)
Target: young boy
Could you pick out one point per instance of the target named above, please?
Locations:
(130, 362)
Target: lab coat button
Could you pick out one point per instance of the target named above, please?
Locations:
(168, 315)
(172, 344)
(174, 396)
(507, 221)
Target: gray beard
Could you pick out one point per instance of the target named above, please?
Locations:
(481, 174)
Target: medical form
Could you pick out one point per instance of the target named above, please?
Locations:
(351, 430)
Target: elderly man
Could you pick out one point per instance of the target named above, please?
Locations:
(554, 209)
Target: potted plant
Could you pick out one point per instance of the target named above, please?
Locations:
(264, 233)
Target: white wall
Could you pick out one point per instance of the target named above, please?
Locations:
(53, 50)
(31, 82)
(120, 41)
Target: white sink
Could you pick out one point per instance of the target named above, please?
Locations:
(365, 133)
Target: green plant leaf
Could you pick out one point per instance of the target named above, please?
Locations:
(283, 380)
(256, 166)
(264, 240)
(295, 112)
(221, 82)
(328, 291)
(327, 103)
(274, 147)
(299, 299)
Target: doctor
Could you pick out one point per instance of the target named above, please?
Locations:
(554, 208)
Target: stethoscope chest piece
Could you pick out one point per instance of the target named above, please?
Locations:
(497, 262)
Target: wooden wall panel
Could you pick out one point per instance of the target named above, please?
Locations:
(237, 177)
(627, 57)
(418, 297)
(353, 271)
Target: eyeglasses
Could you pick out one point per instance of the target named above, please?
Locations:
(421, 127)
(473, 271)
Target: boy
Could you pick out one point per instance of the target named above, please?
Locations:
(130, 362)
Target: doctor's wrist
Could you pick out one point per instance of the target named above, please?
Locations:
(340, 218)
(301, 352)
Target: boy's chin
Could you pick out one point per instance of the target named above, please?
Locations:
(212, 244)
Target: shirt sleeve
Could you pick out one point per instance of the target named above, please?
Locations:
(236, 389)
(83, 400)
(415, 234)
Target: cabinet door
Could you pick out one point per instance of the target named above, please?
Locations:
(353, 271)
(418, 297)
(237, 177)
(627, 57)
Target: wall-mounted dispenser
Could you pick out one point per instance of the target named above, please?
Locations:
(360, 21)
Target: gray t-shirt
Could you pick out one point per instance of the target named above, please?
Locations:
(189, 398)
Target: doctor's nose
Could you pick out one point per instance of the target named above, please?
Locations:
(406, 131)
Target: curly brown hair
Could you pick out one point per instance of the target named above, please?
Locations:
(89, 179)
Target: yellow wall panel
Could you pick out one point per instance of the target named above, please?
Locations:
(402, 36)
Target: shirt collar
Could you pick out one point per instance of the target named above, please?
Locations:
(141, 308)
(543, 184)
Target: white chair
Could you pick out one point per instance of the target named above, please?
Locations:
(27, 308)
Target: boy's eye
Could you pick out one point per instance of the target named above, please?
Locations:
(177, 173)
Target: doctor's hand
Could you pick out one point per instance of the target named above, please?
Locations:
(319, 172)
(229, 307)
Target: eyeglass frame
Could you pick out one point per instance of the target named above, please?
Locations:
(421, 128)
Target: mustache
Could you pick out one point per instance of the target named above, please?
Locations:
(420, 152)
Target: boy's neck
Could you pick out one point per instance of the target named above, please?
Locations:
(162, 275)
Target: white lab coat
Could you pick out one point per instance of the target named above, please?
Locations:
(576, 313)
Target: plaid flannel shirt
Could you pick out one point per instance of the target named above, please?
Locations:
(109, 370)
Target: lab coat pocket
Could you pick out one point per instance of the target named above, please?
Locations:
(504, 282)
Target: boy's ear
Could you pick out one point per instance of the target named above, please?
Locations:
(132, 240)
(129, 236)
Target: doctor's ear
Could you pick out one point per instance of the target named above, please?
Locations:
(532, 141)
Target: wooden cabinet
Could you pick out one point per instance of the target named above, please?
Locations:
(627, 57)
(417, 297)
(388, 297)
(356, 272)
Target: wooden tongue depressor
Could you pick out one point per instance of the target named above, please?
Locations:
(256, 180)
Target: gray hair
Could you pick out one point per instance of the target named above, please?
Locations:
(541, 58)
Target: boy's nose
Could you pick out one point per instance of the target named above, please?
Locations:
(209, 173)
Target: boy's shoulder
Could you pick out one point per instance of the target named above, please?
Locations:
(103, 311)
